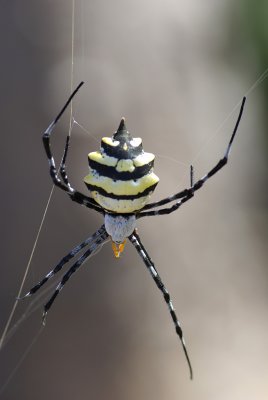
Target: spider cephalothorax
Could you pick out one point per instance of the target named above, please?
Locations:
(120, 181)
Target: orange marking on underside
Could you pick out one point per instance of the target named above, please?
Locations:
(118, 248)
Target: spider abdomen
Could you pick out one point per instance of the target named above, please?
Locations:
(121, 177)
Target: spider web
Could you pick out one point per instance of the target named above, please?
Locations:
(35, 304)
(38, 299)
(185, 176)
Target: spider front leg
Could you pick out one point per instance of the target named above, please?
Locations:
(63, 164)
(75, 196)
(188, 193)
(65, 185)
(46, 142)
(135, 240)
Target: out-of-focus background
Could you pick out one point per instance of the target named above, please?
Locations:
(175, 69)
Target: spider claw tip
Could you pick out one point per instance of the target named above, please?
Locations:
(23, 297)
(44, 316)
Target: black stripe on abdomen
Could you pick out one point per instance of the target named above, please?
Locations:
(111, 172)
(121, 197)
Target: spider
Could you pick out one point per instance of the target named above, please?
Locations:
(121, 181)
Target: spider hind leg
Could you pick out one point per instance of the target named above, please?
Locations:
(92, 249)
(135, 240)
(64, 261)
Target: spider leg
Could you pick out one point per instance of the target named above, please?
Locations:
(64, 261)
(63, 164)
(168, 210)
(65, 185)
(188, 193)
(135, 240)
(77, 196)
(46, 142)
(191, 176)
(93, 247)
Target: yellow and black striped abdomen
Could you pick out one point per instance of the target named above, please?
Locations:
(121, 177)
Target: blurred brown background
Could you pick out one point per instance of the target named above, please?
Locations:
(175, 69)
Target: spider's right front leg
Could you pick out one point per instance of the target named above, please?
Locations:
(188, 193)
(173, 197)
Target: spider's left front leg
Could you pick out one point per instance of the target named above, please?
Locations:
(75, 195)
(135, 240)
(65, 185)
(46, 142)
(63, 163)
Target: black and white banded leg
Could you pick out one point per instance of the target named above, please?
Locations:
(188, 193)
(63, 164)
(93, 248)
(65, 185)
(191, 176)
(89, 241)
(135, 240)
(76, 196)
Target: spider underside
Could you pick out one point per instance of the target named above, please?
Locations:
(119, 222)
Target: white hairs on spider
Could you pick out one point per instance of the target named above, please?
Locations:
(119, 227)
